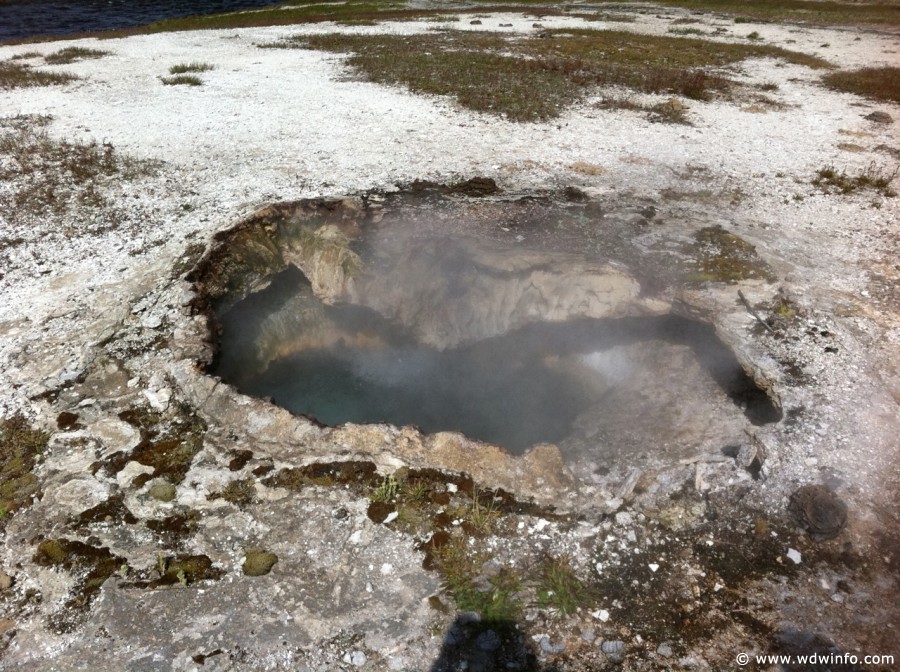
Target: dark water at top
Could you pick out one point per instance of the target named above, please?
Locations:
(41, 18)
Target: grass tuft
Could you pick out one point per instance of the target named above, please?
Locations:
(495, 595)
(14, 75)
(877, 83)
(187, 80)
(560, 589)
(183, 68)
(72, 54)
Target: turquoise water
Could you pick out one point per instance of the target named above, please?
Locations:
(510, 390)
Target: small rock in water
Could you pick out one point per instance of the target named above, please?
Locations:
(817, 509)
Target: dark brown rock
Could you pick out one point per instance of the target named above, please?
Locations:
(379, 511)
(477, 186)
(819, 511)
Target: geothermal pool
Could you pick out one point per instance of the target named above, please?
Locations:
(539, 383)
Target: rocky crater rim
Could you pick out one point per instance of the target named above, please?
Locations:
(337, 244)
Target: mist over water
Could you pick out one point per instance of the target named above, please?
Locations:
(525, 387)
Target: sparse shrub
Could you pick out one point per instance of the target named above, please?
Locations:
(754, 36)
(386, 491)
(830, 180)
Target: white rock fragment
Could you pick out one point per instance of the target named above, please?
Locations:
(451, 487)
(130, 471)
(653, 566)
(355, 658)
(601, 615)
(387, 568)
(540, 525)
(391, 517)
(794, 556)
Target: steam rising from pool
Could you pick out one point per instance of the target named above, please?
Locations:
(539, 383)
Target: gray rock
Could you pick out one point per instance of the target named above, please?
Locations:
(356, 658)
(548, 647)
(819, 511)
(614, 650)
(880, 117)
(664, 650)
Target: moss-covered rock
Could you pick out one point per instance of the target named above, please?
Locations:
(163, 491)
(258, 563)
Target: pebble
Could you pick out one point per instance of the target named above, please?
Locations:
(356, 658)
(794, 556)
(588, 635)
(601, 615)
(615, 649)
(664, 650)
(5, 581)
(552, 649)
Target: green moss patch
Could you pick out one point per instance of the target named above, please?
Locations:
(91, 566)
(20, 448)
(164, 492)
(722, 256)
(241, 492)
(258, 563)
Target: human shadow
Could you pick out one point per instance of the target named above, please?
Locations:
(485, 646)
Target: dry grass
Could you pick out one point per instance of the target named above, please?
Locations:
(534, 79)
(877, 83)
(830, 180)
(672, 111)
(14, 75)
(72, 54)
(48, 177)
(823, 12)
